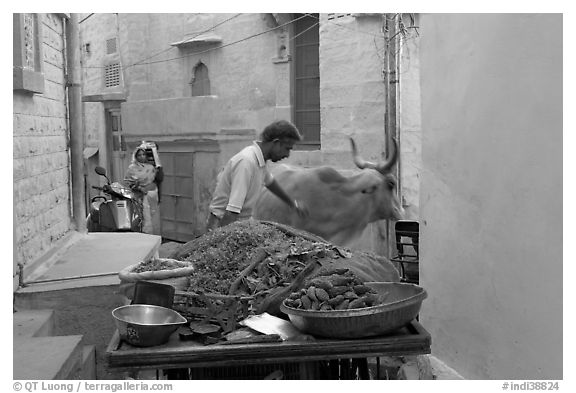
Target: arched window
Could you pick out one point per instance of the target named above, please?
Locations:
(200, 82)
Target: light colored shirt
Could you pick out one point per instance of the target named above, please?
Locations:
(240, 183)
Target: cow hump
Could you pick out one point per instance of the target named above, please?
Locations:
(328, 174)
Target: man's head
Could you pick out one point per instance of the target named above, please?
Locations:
(278, 139)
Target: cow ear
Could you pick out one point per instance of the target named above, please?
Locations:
(369, 190)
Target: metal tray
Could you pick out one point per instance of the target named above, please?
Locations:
(403, 305)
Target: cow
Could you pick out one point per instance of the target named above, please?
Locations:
(341, 203)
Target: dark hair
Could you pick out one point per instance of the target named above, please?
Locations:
(280, 129)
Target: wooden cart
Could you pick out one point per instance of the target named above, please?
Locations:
(319, 359)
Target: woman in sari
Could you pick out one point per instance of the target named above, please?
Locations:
(140, 177)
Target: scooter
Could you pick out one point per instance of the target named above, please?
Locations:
(121, 212)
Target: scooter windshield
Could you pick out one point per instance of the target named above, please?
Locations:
(122, 190)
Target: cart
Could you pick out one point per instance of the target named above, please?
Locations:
(321, 358)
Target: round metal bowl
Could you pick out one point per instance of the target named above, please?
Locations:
(146, 325)
(402, 305)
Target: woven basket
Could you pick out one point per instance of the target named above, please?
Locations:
(177, 277)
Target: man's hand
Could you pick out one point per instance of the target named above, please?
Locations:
(229, 217)
(300, 208)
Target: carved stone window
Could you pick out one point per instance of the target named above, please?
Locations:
(27, 52)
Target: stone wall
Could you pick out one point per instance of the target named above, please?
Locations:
(41, 163)
(352, 92)
(242, 75)
(93, 56)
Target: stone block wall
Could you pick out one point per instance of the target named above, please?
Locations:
(41, 165)
(352, 91)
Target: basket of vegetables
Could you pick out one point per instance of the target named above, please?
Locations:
(162, 270)
(337, 304)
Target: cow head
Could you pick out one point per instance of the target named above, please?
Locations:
(383, 186)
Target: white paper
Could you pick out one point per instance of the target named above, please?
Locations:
(269, 324)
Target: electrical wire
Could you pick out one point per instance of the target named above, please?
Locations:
(225, 45)
(89, 15)
(171, 47)
(302, 32)
(346, 27)
(211, 49)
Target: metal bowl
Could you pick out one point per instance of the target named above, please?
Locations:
(402, 305)
(146, 325)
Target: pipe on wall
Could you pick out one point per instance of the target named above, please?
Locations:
(391, 85)
(74, 92)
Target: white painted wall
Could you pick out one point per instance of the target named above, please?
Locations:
(491, 193)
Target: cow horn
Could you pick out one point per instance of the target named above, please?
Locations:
(359, 161)
(382, 167)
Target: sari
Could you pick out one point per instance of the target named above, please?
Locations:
(140, 176)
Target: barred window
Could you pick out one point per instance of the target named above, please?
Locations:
(112, 75)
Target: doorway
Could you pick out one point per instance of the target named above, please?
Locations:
(116, 142)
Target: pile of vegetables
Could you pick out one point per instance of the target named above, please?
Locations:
(335, 289)
(249, 258)
(157, 264)
(253, 266)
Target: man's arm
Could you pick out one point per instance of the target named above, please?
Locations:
(277, 190)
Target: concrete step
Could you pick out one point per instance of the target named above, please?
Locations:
(80, 283)
(88, 362)
(47, 358)
(33, 323)
(33, 333)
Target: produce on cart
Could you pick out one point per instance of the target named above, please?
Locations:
(364, 310)
(250, 267)
(255, 265)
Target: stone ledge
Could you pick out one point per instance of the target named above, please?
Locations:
(88, 371)
(30, 361)
(33, 323)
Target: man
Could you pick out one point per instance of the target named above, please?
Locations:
(240, 182)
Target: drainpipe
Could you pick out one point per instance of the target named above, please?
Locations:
(391, 81)
(75, 121)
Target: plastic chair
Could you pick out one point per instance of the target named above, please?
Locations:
(156, 294)
(408, 255)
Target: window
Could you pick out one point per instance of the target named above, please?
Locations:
(111, 46)
(200, 82)
(306, 74)
(112, 75)
(27, 54)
